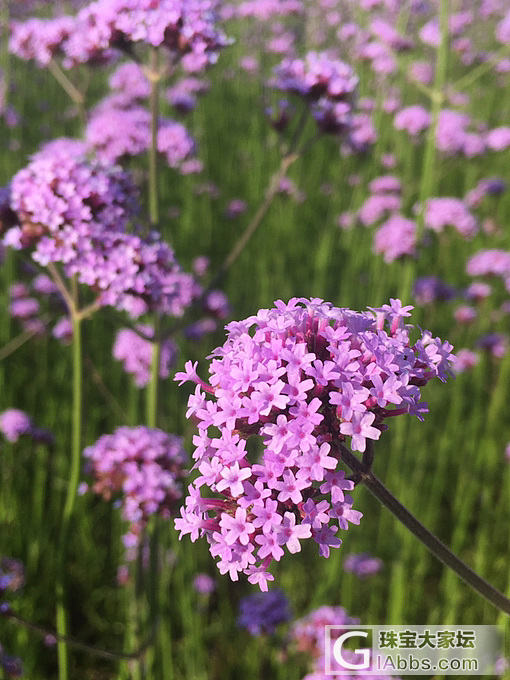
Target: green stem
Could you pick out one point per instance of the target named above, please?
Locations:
(428, 174)
(72, 487)
(77, 97)
(481, 70)
(153, 148)
(429, 540)
(153, 386)
(255, 222)
(137, 655)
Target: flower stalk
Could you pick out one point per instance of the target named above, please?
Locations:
(364, 475)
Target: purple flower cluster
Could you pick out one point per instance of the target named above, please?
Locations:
(74, 211)
(454, 137)
(326, 82)
(395, 238)
(362, 565)
(445, 211)
(130, 81)
(465, 359)
(135, 352)
(40, 39)
(12, 577)
(187, 28)
(26, 299)
(135, 274)
(307, 634)
(265, 9)
(115, 132)
(144, 466)
(204, 584)
(183, 95)
(300, 379)
(262, 612)
(493, 262)
(428, 289)
(377, 206)
(25, 308)
(61, 197)
(15, 423)
(413, 119)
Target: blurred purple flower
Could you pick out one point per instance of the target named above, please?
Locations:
(14, 423)
(204, 584)
(428, 289)
(262, 612)
(362, 564)
(135, 352)
(395, 238)
(142, 465)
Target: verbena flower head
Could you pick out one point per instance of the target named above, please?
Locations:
(76, 212)
(115, 132)
(492, 262)
(448, 211)
(144, 466)
(428, 289)
(413, 119)
(294, 382)
(14, 423)
(135, 352)
(362, 564)
(61, 195)
(395, 238)
(204, 584)
(130, 80)
(134, 274)
(262, 612)
(187, 28)
(326, 82)
(40, 39)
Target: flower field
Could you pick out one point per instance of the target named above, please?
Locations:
(254, 331)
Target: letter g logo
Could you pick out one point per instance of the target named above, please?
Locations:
(338, 649)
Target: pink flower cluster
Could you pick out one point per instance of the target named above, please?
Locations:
(187, 28)
(135, 352)
(299, 379)
(75, 212)
(144, 465)
(115, 132)
(62, 195)
(448, 211)
(325, 81)
(493, 262)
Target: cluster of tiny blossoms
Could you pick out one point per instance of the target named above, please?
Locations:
(75, 212)
(12, 578)
(187, 28)
(135, 352)
(328, 83)
(143, 464)
(302, 378)
(61, 196)
(114, 132)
